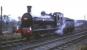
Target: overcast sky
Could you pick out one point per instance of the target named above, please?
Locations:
(75, 9)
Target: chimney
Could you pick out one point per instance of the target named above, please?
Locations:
(29, 9)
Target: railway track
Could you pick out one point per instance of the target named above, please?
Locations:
(69, 42)
(23, 44)
(8, 43)
(46, 44)
(58, 42)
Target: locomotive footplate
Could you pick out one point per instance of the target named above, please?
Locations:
(44, 30)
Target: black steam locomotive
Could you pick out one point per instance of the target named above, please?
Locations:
(44, 25)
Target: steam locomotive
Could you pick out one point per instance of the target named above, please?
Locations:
(47, 24)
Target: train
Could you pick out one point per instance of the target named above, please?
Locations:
(46, 24)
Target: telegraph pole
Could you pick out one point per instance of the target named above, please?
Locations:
(1, 22)
(84, 17)
(1, 13)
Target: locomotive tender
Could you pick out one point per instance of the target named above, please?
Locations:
(44, 25)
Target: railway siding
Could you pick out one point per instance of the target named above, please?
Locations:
(42, 45)
(59, 42)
